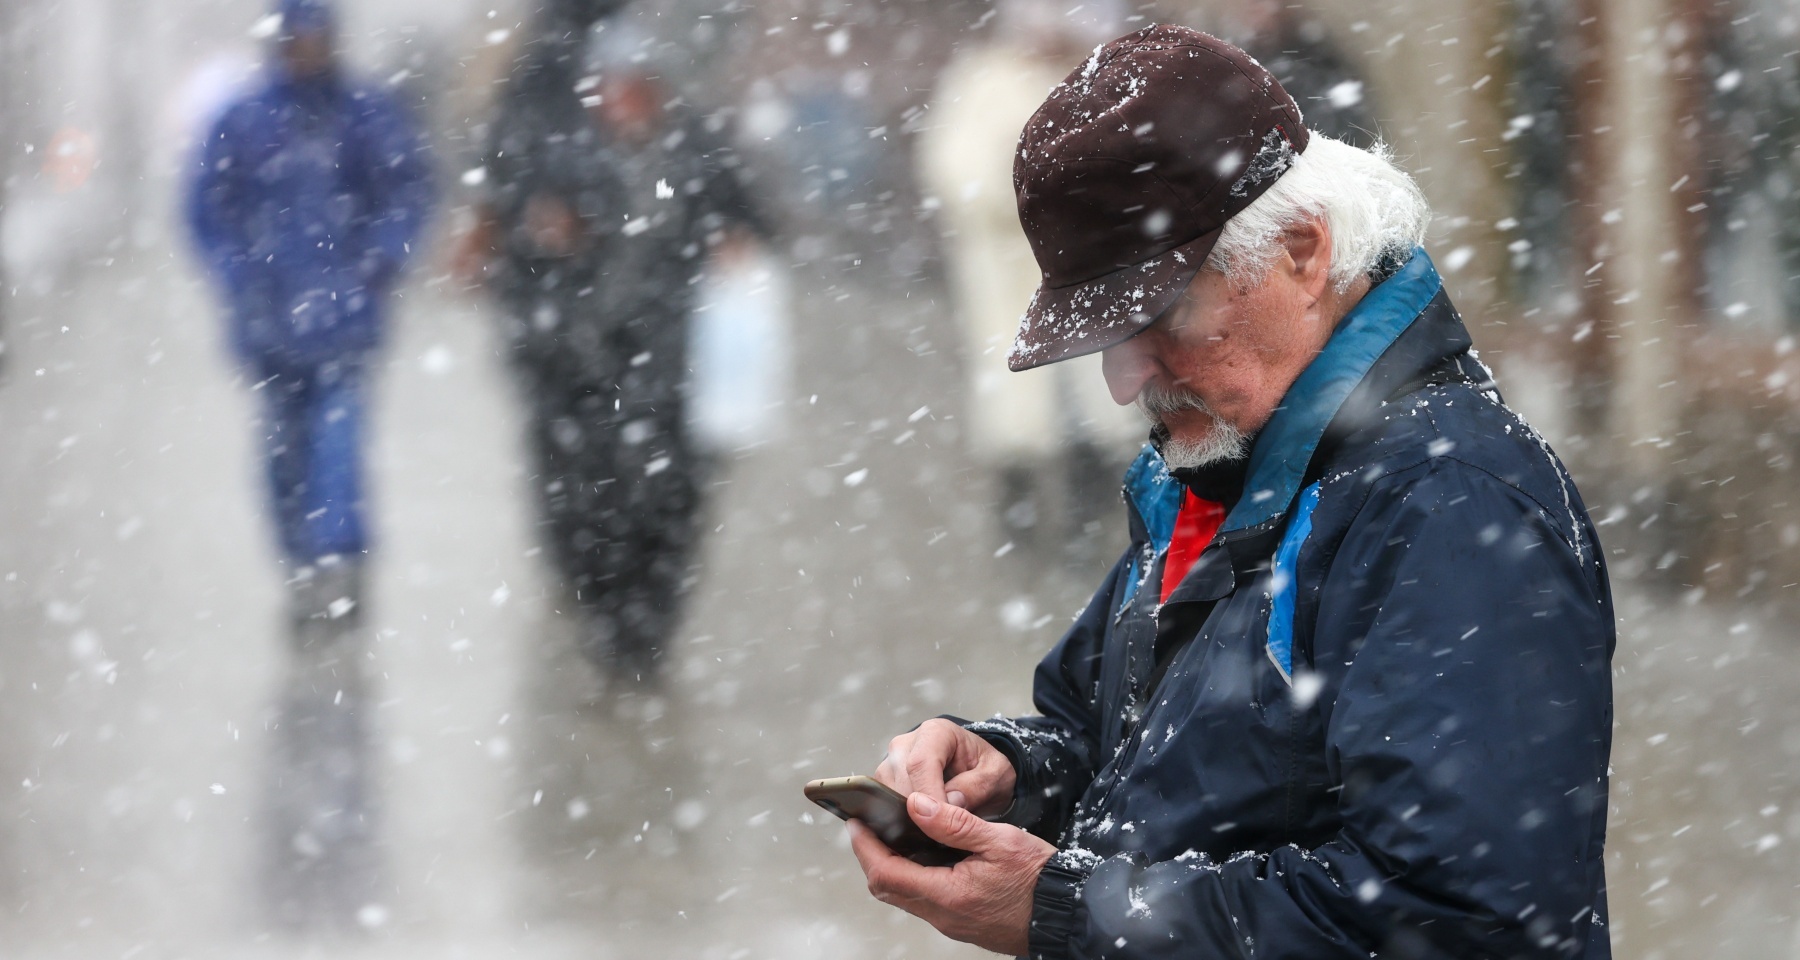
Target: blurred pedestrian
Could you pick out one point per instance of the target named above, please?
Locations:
(310, 193)
(1747, 151)
(1052, 440)
(1738, 155)
(603, 197)
(1544, 50)
(1296, 48)
(1348, 692)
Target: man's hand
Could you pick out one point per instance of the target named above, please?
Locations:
(476, 249)
(945, 762)
(735, 247)
(984, 900)
(552, 226)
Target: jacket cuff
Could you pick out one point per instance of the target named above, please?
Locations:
(1026, 809)
(1054, 901)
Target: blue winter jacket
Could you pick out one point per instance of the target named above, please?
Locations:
(308, 199)
(1374, 718)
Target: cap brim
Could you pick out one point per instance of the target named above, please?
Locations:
(1084, 318)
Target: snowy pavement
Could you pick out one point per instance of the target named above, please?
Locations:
(848, 589)
(525, 812)
(1704, 840)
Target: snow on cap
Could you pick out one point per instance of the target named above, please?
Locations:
(1127, 173)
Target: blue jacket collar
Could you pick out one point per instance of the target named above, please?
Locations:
(1154, 495)
(1285, 445)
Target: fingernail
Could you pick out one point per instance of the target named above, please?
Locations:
(926, 806)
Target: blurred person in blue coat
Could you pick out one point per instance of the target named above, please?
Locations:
(310, 193)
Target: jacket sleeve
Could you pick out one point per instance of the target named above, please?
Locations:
(399, 183)
(1053, 754)
(216, 203)
(1463, 642)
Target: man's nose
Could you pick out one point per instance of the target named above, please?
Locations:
(1127, 367)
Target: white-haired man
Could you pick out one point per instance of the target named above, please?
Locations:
(1348, 692)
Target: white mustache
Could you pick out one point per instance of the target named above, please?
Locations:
(1223, 441)
(1156, 402)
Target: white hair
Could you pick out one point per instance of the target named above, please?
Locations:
(1373, 208)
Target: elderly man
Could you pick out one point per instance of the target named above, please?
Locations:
(1347, 694)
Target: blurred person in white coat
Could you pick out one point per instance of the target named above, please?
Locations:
(1051, 438)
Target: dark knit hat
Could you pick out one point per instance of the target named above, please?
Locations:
(1128, 172)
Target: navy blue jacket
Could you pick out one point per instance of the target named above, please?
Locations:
(1374, 718)
(306, 205)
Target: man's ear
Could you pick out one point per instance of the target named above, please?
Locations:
(1309, 254)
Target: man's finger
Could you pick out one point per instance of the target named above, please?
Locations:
(892, 877)
(953, 826)
(893, 768)
(925, 761)
(981, 789)
(866, 845)
(891, 774)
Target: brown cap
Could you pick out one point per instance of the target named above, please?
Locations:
(1127, 173)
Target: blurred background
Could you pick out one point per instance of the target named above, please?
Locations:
(857, 537)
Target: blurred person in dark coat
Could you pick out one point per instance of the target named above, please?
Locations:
(309, 195)
(1296, 48)
(1739, 147)
(603, 197)
(1748, 133)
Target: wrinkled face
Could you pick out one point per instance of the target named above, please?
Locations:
(307, 53)
(1212, 369)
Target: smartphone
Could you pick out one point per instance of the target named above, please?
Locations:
(882, 810)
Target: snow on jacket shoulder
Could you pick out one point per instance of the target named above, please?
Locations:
(306, 203)
(1373, 719)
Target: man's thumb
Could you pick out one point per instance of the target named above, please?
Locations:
(950, 825)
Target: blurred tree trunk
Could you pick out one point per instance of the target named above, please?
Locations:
(1591, 350)
(123, 142)
(1635, 249)
(11, 147)
(1695, 26)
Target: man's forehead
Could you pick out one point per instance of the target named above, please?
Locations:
(1208, 288)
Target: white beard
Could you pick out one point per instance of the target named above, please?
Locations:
(1223, 441)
